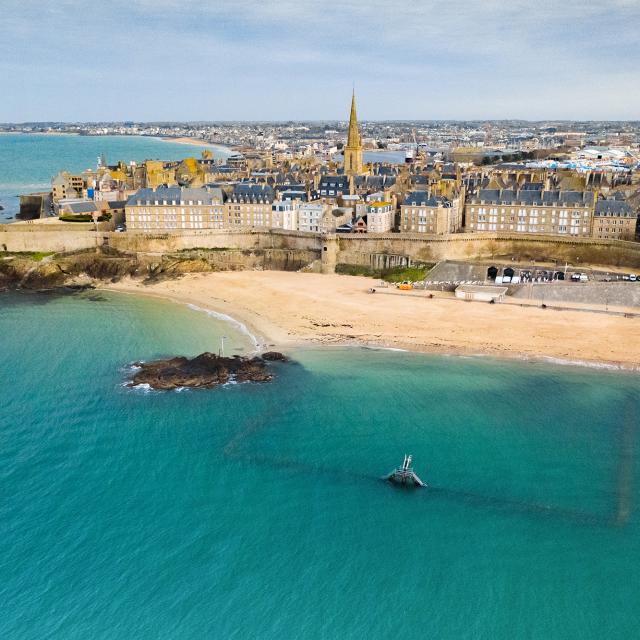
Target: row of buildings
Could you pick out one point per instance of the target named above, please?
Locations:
(425, 196)
(562, 213)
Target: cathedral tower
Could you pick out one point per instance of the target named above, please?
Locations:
(353, 149)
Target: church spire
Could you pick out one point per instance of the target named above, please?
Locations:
(353, 138)
(353, 165)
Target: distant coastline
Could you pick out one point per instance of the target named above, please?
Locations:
(196, 142)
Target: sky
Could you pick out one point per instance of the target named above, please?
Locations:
(154, 60)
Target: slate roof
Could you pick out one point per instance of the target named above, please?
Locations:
(334, 182)
(251, 192)
(81, 207)
(291, 194)
(425, 199)
(532, 197)
(176, 195)
(614, 208)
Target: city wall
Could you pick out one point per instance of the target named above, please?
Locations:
(57, 238)
(375, 251)
(366, 250)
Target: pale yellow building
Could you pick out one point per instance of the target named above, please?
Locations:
(173, 208)
(531, 211)
(250, 205)
(614, 220)
(426, 212)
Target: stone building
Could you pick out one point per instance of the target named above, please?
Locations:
(426, 212)
(170, 208)
(250, 205)
(157, 173)
(335, 218)
(66, 185)
(531, 211)
(614, 219)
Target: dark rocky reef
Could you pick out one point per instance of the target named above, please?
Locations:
(203, 372)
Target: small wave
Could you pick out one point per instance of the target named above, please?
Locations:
(143, 387)
(608, 366)
(225, 318)
(130, 368)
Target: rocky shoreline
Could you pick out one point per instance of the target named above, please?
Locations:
(205, 371)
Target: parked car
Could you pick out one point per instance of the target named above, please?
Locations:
(584, 277)
(558, 275)
(575, 277)
(633, 277)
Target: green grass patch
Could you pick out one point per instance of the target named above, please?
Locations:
(36, 256)
(82, 217)
(356, 270)
(398, 274)
(412, 274)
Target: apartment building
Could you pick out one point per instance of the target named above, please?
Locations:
(531, 211)
(250, 205)
(285, 214)
(380, 216)
(425, 212)
(170, 208)
(310, 215)
(615, 220)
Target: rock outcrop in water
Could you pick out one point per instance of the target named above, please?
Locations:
(202, 372)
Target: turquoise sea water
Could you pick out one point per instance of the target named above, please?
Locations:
(257, 511)
(29, 161)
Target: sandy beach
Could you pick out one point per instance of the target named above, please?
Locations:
(286, 309)
(196, 142)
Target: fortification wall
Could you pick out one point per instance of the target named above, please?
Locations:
(48, 237)
(367, 249)
(202, 260)
(223, 239)
(378, 251)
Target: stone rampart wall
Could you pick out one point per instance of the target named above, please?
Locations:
(350, 249)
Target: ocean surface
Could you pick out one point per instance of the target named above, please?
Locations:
(258, 510)
(29, 161)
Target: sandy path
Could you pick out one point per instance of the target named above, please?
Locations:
(285, 309)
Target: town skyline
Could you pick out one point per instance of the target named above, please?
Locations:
(180, 62)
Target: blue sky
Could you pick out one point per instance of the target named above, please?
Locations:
(245, 59)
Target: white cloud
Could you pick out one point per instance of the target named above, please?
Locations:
(437, 58)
